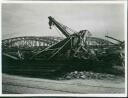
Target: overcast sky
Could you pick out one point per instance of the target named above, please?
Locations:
(32, 19)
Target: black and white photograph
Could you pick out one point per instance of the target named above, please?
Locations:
(65, 0)
(63, 48)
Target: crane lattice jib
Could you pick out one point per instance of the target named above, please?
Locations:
(52, 22)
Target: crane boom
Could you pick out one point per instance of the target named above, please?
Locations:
(52, 21)
(114, 39)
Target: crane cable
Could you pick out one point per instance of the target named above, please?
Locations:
(71, 30)
(58, 32)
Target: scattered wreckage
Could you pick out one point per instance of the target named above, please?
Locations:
(77, 51)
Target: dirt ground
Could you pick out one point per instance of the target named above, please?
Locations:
(12, 84)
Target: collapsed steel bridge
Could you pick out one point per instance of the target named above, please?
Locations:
(34, 44)
(28, 42)
(19, 45)
(77, 46)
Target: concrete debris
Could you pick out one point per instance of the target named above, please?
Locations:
(88, 75)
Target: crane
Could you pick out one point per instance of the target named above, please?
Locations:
(75, 43)
(52, 21)
(78, 45)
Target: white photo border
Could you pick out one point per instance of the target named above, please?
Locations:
(70, 95)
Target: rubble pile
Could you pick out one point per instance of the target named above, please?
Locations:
(87, 75)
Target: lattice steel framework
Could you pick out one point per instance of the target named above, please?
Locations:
(29, 42)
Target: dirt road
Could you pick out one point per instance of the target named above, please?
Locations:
(16, 84)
